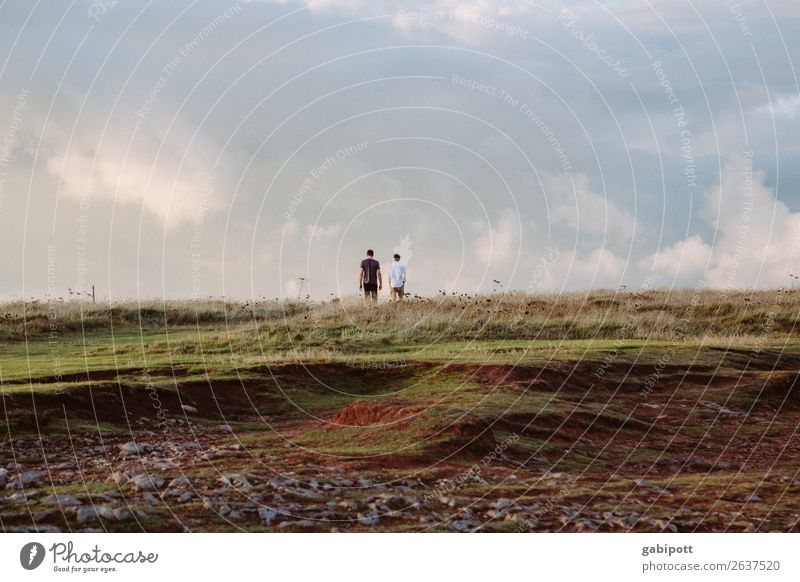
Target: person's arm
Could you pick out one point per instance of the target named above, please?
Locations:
(403, 274)
(360, 277)
(380, 280)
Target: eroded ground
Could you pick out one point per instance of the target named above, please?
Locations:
(696, 444)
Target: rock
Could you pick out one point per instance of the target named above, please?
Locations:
(26, 479)
(62, 500)
(152, 499)
(145, 482)
(3, 476)
(267, 515)
(121, 514)
(188, 408)
(461, 525)
(186, 496)
(224, 427)
(17, 499)
(181, 481)
(753, 497)
(86, 513)
(43, 516)
(369, 519)
(307, 493)
(118, 477)
(351, 505)
(236, 480)
(134, 448)
(665, 525)
(503, 503)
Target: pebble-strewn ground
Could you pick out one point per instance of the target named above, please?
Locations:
(460, 448)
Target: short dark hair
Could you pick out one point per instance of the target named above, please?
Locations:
(370, 253)
(396, 256)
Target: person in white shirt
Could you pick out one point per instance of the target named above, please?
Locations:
(397, 279)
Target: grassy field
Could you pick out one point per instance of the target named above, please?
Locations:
(606, 411)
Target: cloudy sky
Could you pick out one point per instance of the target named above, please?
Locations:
(196, 148)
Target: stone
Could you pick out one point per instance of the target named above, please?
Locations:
(236, 480)
(26, 479)
(86, 513)
(121, 514)
(62, 500)
(186, 496)
(307, 493)
(267, 515)
(351, 505)
(188, 408)
(17, 499)
(145, 482)
(118, 477)
(665, 525)
(503, 503)
(152, 499)
(3, 476)
(181, 481)
(369, 519)
(461, 525)
(134, 448)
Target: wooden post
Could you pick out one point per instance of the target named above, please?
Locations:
(93, 294)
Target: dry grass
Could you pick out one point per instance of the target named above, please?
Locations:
(654, 314)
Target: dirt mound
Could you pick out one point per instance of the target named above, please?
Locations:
(363, 413)
(121, 403)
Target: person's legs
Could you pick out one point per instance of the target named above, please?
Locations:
(371, 292)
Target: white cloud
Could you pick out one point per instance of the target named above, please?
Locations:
(575, 206)
(684, 260)
(783, 106)
(757, 238)
(499, 245)
(172, 197)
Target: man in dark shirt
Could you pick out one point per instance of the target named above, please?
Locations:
(369, 277)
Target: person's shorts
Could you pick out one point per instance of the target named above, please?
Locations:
(370, 289)
(398, 292)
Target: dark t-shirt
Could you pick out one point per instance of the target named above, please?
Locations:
(371, 267)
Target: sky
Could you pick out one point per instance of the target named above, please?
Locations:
(254, 149)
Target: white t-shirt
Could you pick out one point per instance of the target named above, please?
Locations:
(397, 275)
